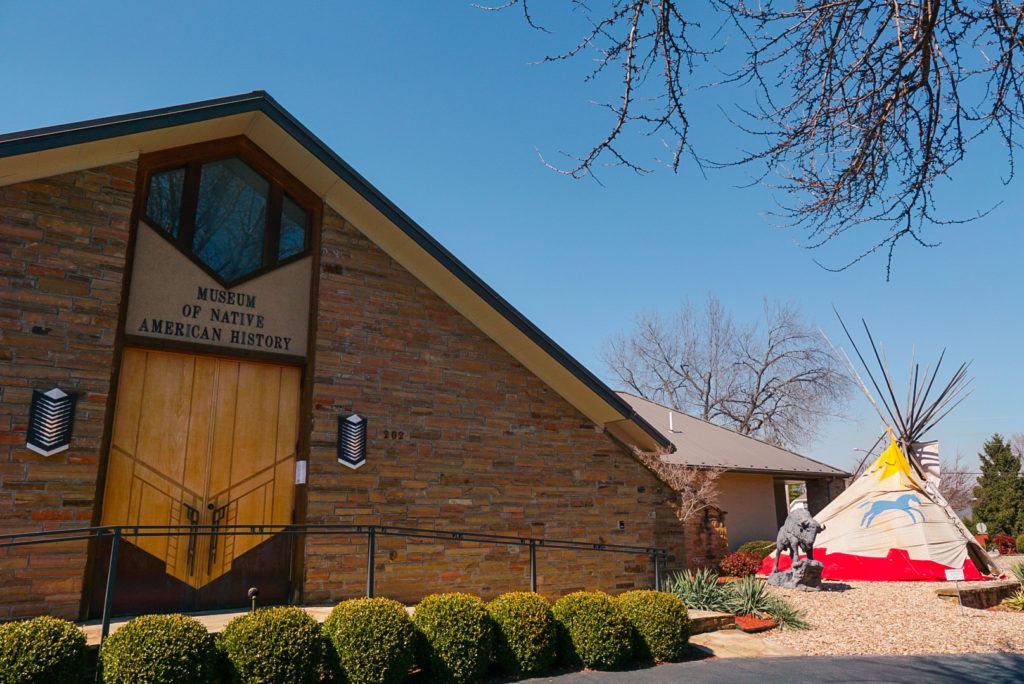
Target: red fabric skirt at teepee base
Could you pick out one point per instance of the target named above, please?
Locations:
(897, 566)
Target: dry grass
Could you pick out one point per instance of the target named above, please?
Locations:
(894, 618)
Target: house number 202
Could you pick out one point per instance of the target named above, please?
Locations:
(393, 434)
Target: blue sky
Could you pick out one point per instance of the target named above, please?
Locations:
(438, 104)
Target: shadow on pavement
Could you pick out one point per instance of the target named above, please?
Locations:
(990, 668)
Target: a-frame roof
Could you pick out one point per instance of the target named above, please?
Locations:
(44, 152)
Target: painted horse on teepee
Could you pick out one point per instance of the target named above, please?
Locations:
(892, 523)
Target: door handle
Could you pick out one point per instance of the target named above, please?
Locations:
(193, 520)
(215, 519)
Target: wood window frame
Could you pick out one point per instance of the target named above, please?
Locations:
(191, 158)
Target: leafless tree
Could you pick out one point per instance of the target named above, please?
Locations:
(957, 483)
(685, 362)
(1017, 443)
(697, 487)
(776, 378)
(862, 106)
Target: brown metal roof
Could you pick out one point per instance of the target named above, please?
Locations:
(702, 444)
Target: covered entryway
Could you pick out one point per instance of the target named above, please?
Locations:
(200, 440)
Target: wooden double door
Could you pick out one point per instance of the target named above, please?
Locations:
(200, 441)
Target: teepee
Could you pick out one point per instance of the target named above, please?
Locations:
(892, 523)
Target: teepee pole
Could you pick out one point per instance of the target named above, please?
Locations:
(881, 398)
(845, 358)
(888, 383)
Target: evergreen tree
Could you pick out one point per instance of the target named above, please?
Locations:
(1000, 490)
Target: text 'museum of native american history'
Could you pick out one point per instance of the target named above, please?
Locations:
(216, 289)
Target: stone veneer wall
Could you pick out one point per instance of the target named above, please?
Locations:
(62, 257)
(488, 447)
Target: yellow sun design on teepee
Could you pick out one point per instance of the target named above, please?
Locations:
(892, 461)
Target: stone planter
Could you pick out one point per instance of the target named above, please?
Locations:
(979, 594)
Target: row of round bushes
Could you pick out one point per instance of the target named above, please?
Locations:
(454, 637)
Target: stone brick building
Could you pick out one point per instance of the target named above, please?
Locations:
(220, 292)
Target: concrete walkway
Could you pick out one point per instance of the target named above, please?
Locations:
(215, 621)
(990, 668)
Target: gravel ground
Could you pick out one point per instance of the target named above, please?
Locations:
(894, 618)
(1006, 562)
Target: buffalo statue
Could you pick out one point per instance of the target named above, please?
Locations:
(797, 534)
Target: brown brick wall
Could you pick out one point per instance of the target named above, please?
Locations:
(62, 256)
(488, 447)
(707, 539)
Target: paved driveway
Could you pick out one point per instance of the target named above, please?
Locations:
(991, 668)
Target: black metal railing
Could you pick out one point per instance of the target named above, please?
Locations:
(118, 533)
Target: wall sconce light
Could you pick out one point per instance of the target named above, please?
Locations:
(351, 440)
(50, 419)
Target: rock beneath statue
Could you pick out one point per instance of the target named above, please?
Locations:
(805, 575)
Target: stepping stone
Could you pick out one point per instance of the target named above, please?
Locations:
(732, 643)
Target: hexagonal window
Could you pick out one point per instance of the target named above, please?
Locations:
(163, 206)
(294, 220)
(231, 218)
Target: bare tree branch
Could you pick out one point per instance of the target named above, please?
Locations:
(957, 484)
(648, 43)
(697, 487)
(862, 107)
(1017, 444)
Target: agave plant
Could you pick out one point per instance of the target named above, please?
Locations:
(787, 614)
(1016, 602)
(750, 595)
(1018, 571)
(701, 590)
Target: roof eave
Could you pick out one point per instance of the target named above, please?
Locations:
(796, 474)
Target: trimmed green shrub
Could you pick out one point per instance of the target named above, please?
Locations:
(593, 631)
(453, 637)
(159, 649)
(761, 547)
(273, 645)
(524, 632)
(43, 649)
(371, 640)
(661, 624)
